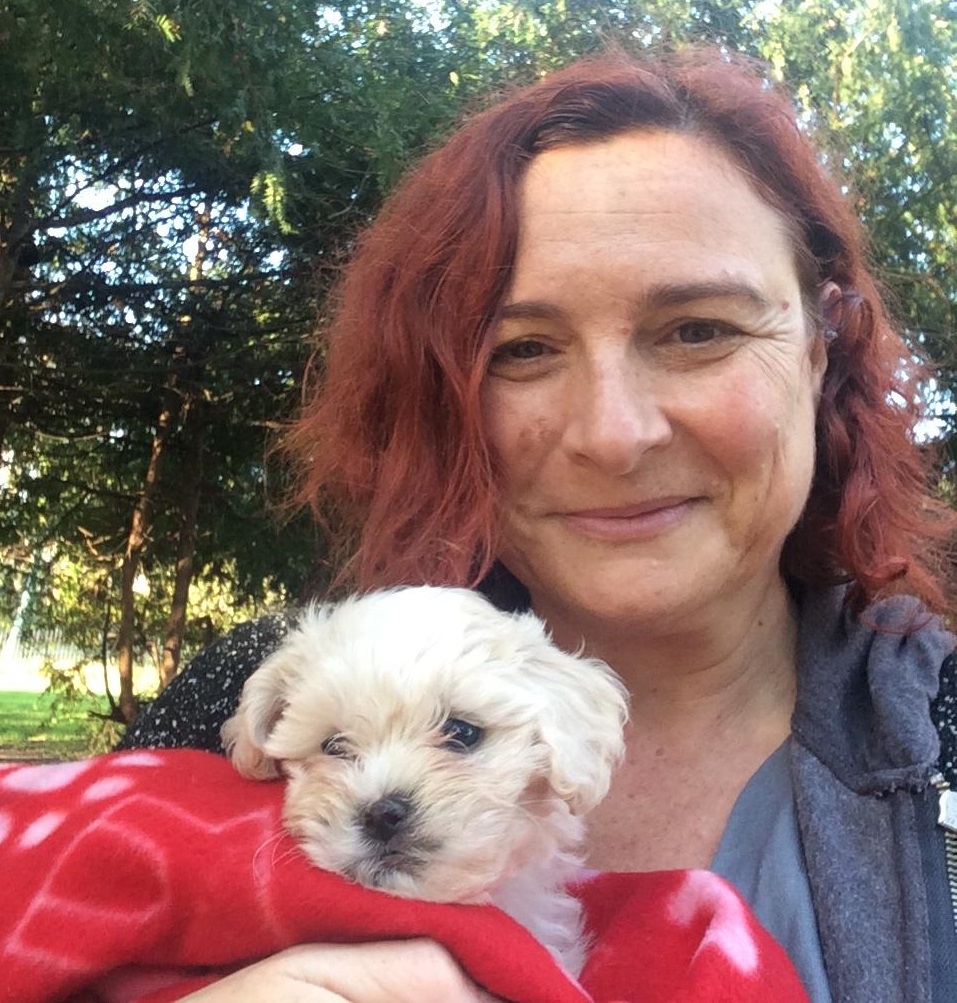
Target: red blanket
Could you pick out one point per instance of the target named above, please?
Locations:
(141, 876)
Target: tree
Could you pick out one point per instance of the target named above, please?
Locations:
(162, 178)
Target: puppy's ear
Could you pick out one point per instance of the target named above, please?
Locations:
(264, 698)
(580, 722)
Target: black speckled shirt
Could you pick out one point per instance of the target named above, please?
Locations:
(944, 713)
(195, 705)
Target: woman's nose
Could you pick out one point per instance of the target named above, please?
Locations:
(615, 417)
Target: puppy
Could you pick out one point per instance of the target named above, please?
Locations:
(437, 748)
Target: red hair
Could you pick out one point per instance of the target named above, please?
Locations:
(392, 436)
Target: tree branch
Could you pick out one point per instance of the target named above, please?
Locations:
(82, 216)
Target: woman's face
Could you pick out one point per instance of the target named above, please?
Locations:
(652, 390)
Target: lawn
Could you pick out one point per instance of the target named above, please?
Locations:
(31, 728)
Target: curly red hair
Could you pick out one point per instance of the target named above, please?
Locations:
(392, 436)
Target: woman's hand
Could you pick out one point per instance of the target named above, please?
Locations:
(402, 971)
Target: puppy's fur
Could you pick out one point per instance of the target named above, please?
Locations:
(439, 749)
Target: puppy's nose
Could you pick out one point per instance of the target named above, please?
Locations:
(386, 817)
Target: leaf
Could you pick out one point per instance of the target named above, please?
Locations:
(169, 29)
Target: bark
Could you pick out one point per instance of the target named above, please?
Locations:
(182, 384)
(136, 540)
(193, 431)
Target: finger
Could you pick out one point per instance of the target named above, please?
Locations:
(409, 971)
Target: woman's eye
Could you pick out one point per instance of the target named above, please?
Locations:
(701, 332)
(526, 350)
(460, 736)
(336, 745)
(697, 332)
(519, 351)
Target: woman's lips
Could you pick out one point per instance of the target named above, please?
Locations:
(631, 522)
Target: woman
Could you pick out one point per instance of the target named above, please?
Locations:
(613, 350)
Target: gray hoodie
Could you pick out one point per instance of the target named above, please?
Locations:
(865, 749)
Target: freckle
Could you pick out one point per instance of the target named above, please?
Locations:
(659, 752)
(529, 436)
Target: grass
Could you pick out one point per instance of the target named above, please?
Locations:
(38, 727)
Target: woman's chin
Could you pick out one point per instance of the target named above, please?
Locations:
(641, 598)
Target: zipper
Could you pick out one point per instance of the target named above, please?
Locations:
(947, 820)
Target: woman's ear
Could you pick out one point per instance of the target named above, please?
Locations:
(829, 309)
(830, 298)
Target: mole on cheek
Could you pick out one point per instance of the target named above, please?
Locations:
(531, 435)
(785, 305)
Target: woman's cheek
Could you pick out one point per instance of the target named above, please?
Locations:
(521, 431)
(762, 436)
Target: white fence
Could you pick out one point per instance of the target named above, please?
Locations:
(21, 662)
(21, 665)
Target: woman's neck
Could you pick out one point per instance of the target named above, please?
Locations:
(708, 706)
(735, 660)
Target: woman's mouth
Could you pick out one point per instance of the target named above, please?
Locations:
(631, 522)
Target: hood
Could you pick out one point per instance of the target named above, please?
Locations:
(864, 689)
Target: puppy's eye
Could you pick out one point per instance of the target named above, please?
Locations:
(460, 736)
(336, 745)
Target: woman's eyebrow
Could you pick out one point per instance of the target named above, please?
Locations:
(530, 310)
(669, 294)
(656, 296)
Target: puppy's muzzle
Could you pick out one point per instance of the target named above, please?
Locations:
(389, 817)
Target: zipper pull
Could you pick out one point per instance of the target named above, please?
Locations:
(947, 806)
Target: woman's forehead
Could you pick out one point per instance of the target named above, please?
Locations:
(673, 209)
(635, 176)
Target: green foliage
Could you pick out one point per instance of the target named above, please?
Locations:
(112, 177)
(72, 712)
(879, 79)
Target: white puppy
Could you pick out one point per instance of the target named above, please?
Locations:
(437, 748)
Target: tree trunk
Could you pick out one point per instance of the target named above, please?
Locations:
(139, 528)
(181, 386)
(193, 431)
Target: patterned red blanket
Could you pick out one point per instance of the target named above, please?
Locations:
(142, 876)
